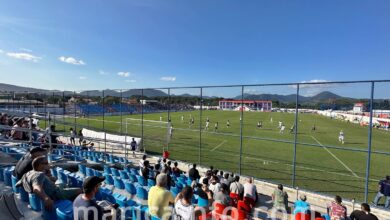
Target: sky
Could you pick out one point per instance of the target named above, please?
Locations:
(124, 44)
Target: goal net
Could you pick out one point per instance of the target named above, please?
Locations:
(155, 133)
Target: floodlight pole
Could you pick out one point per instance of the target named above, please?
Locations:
(295, 137)
(368, 165)
(200, 125)
(241, 125)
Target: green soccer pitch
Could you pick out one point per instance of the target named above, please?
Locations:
(266, 153)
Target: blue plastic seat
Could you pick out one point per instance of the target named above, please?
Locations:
(7, 173)
(13, 182)
(64, 210)
(82, 169)
(62, 177)
(98, 173)
(35, 202)
(120, 199)
(130, 188)
(109, 179)
(141, 180)
(133, 178)
(123, 175)
(142, 193)
(107, 169)
(175, 191)
(118, 183)
(151, 182)
(115, 172)
(140, 213)
(203, 202)
(89, 171)
(134, 171)
(23, 194)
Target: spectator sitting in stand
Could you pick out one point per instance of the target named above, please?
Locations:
(222, 196)
(301, 206)
(337, 210)
(363, 214)
(193, 173)
(25, 163)
(39, 182)
(236, 187)
(250, 192)
(85, 206)
(175, 170)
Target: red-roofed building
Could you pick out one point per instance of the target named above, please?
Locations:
(248, 105)
(358, 107)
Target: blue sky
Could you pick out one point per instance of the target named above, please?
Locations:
(101, 44)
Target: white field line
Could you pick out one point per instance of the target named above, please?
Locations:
(334, 156)
(218, 145)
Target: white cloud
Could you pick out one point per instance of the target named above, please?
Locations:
(1, 51)
(25, 49)
(71, 60)
(103, 73)
(24, 56)
(124, 74)
(130, 80)
(168, 78)
(82, 77)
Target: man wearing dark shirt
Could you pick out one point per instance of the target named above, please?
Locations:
(193, 173)
(25, 163)
(84, 206)
(384, 191)
(363, 214)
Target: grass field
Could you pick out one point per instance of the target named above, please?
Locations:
(267, 154)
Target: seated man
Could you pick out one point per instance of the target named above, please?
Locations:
(222, 196)
(160, 198)
(37, 181)
(363, 214)
(301, 205)
(85, 206)
(25, 163)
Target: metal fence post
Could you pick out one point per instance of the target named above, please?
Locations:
(104, 127)
(200, 125)
(74, 112)
(142, 121)
(169, 114)
(241, 125)
(369, 145)
(295, 137)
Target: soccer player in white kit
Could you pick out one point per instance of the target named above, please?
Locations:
(207, 125)
(341, 137)
(282, 129)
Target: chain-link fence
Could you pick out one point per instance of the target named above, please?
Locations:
(330, 138)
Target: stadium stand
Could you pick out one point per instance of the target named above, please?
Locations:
(125, 186)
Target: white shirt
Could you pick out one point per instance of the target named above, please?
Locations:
(215, 188)
(250, 190)
(72, 134)
(186, 212)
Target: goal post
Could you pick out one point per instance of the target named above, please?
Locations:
(151, 131)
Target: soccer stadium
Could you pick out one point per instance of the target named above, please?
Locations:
(220, 144)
